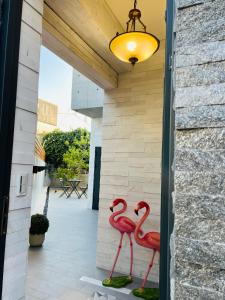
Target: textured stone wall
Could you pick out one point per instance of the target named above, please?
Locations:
(199, 233)
(131, 158)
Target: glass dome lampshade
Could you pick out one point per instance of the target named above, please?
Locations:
(134, 46)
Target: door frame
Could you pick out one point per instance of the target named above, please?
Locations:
(96, 180)
(167, 175)
(9, 57)
(11, 15)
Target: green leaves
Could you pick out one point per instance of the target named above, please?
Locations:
(68, 152)
(57, 143)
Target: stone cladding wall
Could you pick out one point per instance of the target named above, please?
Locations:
(198, 243)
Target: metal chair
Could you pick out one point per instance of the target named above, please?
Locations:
(83, 190)
(83, 187)
(65, 187)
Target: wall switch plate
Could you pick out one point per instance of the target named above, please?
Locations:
(22, 185)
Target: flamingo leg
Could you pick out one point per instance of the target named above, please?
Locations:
(149, 269)
(117, 255)
(131, 255)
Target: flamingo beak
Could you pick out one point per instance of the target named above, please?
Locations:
(111, 208)
(136, 211)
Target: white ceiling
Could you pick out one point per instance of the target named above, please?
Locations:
(153, 12)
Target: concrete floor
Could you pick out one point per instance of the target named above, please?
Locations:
(68, 253)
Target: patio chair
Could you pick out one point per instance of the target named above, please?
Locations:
(83, 190)
(65, 187)
(83, 187)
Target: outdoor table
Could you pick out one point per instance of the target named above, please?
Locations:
(74, 185)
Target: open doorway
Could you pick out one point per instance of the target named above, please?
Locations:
(132, 120)
(131, 126)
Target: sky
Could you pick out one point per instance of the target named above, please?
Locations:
(55, 86)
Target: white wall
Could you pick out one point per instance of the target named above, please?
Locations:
(131, 158)
(96, 141)
(39, 189)
(85, 93)
(87, 97)
(23, 149)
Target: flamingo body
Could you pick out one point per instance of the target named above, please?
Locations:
(150, 240)
(124, 225)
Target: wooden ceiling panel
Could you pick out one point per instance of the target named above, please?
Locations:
(94, 22)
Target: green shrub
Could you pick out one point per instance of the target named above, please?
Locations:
(39, 224)
(75, 160)
(57, 143)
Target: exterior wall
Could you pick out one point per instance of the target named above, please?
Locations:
(44, 128)
(87, 97)
(23, 149)
(131, 158)
(39, 189)
(96, 141)
(199, 239)
(47, 115)
(47, 112)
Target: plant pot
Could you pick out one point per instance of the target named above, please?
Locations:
(36, 240)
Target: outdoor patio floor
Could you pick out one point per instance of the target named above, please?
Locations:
(68, 253)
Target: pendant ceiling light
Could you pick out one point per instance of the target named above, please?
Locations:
(134, 46)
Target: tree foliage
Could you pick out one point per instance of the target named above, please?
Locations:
(76, 159)
(57, 143)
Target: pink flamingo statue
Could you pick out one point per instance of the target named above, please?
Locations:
(124, 225)
(149, 240)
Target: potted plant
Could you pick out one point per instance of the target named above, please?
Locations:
(39, 226)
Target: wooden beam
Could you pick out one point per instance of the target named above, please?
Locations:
(65, 42)
(95, 23)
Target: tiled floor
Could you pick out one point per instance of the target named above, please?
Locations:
(68, 253)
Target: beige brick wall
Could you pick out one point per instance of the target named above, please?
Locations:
(131, 158)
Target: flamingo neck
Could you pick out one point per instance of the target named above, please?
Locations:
(140, 223)
(116, 213)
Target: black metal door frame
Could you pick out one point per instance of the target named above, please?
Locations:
(11, 12)
(97, 173)
(167, 177)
